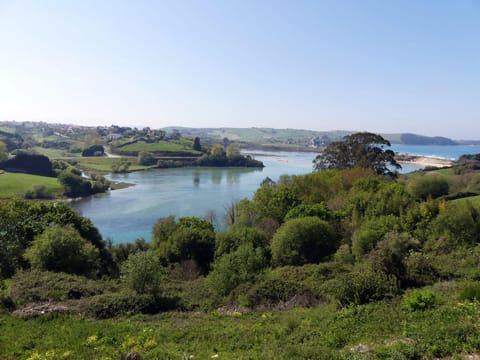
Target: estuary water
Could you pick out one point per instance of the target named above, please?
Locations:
(128, 214)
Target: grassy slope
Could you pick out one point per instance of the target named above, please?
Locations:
(16, 184)
(104, 164)
(317, 333)
(161, 146)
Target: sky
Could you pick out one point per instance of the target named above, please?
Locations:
(371, 65)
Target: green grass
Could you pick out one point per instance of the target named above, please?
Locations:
(161, 146)
(317, 333)
(55, 153)
(104, 164)
(474, 200)
(16, 184)
(9, 130)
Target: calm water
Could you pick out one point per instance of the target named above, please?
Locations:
(128, 214)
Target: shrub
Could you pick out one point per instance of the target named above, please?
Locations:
(303, 240)
(420, 269)
(471, 291)
(39, 192)
(31, 286)
(418, 300)
(272, 291)
(362, 286)
(146, 158)
(61, 248)
(229, 241)
(234, 268)
(110, 305)
(142, 273)
(429, 186)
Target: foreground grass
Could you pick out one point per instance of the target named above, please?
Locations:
(17, 184)
(318, 333)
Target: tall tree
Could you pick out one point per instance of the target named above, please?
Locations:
(364, 149)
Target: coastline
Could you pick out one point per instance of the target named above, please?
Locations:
(425, 161)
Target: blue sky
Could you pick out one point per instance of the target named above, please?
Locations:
(381, 66)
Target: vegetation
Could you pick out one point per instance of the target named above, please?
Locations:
(346, 262)
(18, 185)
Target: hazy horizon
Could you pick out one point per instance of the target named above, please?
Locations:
(384, 67)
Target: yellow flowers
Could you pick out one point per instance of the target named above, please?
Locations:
(50, 355)
(92, 339)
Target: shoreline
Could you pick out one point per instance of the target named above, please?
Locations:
(425, 161)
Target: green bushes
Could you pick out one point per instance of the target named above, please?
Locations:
(110, 305)
(32, 286)
(418, 300)
(362, 286)
(235, 268)
(142, 273)
(61, 248)
(303, 240)
(471, 291)
(429, 186)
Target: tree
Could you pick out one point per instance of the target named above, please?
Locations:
(146, 158)
(62, 248)
(142, 272)
(233, 150)
(364, 149)
(190, 239)
(196, 144)
(301, 241)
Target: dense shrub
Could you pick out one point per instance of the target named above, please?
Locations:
(31, 286)
(94, 150)
(471, 291)
(303, 240)
(319, 210)
(110, 305)
(237, 267)
(420, 269)
(39, 192)
(142, 273)
(427, 186)
(418, 299)
(236, 236)
(30, 163)
(61, 248)
(371, 232)
(272, 291)
(146, 158)
(362, 286)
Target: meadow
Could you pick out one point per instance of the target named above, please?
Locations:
(17, 184)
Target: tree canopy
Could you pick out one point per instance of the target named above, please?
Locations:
(363, 149)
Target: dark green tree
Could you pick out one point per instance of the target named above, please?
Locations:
(196, 144)
(364, 149)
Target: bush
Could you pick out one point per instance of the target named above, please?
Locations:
(429, 186)
(418, 300)
(142, 273)
(39, 192)
(32, 286)
(471, 291)
(229, 241)
(235, 268)
(272, 291)
(110, 305)
(61, 248)
(303, 240)
(146, 158)
(362, 286)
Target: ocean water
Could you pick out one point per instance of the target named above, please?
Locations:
(451, 152)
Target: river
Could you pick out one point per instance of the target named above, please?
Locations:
(128, 214)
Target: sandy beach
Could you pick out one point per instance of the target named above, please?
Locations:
(423, 160)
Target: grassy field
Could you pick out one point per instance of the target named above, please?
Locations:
(55, 153)
(16, 184)
(161, 146)
(104, 164)
(383, 330)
